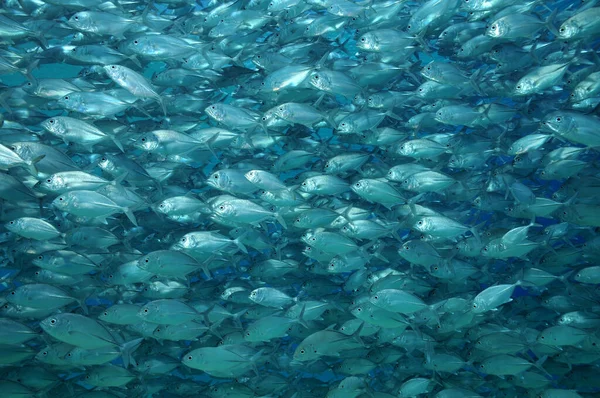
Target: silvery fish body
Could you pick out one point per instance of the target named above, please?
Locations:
(318, 198)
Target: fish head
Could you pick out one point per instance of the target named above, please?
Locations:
(257, 295)
(368, 42)
(331, 167)
(53, 125)
(107, 163)
(192, 357)
(64, 201)
(147, 142)
(430, 71)
(115, 72)
(260, 60)
(308, 238)
(456, 161)
(375, 101)
(216, 111)
(53, 183)
(14, 226)
(164, 207)
(148, 310)
(424, 224)
(345, 127)
(225, 210)
(349, 229)
(72, 102)
(76, 355)
(568, 30)
(30, 87)
(284, 111)
(320, 81)
(309, 185)
(498, 28)
(525, 86)
(493, 248)
(145, 262)
(405, 149)
(186, 242)
(53, 323)
(81, 21)
(335, 265)
(361, 186)
(305, 352)
(555, 122)
(359, 100)
(444, 115)
(218, 180)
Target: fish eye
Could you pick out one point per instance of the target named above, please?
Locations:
(216, 176)
(316, 77)
(13, 293)
(61, 198)
(52, 120)
(66, 97)
(558, 119)
(12, 222)
(420, 223)
(221, 207)
(359, 309)
(52, 321)
(147, 260)
(302, 351)
(494, 27)
(113, 67)
(29, 83)
(145, 310)
(135, 42)
(408, 26)
(76, 18)
(363, 39)
(184, 239)
(519, 86)
(162, 205)
(562, 29)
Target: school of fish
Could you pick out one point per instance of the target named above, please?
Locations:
(314, 198)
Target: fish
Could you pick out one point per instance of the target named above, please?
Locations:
(325, 198)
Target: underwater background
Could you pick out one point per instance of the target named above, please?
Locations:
(319, 198)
